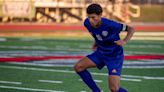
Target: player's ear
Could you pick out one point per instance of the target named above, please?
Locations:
(100, 14)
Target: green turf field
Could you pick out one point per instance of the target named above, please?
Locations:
(32, 78)
(77, 45)
(29, 77)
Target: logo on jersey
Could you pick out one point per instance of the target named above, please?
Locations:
(114, 71)
(104, 33)
(99, 37)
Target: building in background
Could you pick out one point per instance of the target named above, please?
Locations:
(68, 11)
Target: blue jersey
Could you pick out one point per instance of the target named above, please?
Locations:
(105, 35)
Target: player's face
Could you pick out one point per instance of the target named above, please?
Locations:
(94, 19)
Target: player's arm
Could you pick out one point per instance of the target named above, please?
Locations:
(130, 31)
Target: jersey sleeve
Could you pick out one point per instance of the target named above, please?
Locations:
(118, 27)
(124, 27)
(85, 23)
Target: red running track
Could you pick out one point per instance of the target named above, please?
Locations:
(48, 27)
(36, 58)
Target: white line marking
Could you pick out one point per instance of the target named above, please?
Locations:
(50, 81)
(66, 71)
(44, 65)
(147, 38)
(143, 67)
(28, 89)
(143, 77)
(98, 81)
(140, 52)
(144, 46)
(144, 62)
(11, 82)
(40, 48)
(36, 69)
(135, 80)
(3, 39)
(150, 33)
(59, 65)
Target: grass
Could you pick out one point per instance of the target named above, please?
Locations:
(30, 75)
(71, 83)
(76, 45)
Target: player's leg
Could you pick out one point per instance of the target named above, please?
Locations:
(114, 83)
(83, 64)
(81, 69)
(114, 66)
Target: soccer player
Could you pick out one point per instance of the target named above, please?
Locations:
(109, 50)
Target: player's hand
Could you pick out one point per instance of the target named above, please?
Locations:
(120, 42)
(94, 47)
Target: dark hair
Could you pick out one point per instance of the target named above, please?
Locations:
(94, 8)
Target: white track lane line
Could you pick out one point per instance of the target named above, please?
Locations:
(98, 81)
(51, 81)
(135, 80)
(10, 82)
(28, 89)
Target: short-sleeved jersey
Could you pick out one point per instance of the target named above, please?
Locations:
(105, 35)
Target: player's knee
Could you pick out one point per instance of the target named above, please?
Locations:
(114, 88)
(79, 67)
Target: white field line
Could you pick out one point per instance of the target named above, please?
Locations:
(135, 80)
(147, 38)
(40, 52)
(66, 71)
(59, 48)
(143, 67)
(98, 81)
(145, 62)
(140, 52)
(144, 77)
(40, 47)
(11, 82)
(150, 42)
(28, 89)
(51, 81)
(149, 33)
(25, 47)
(144, 46)
(3, 39)
(134, 67)
(126, 64)
(44, 65)
(36, 69)
(63, 61)
(46, 53)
